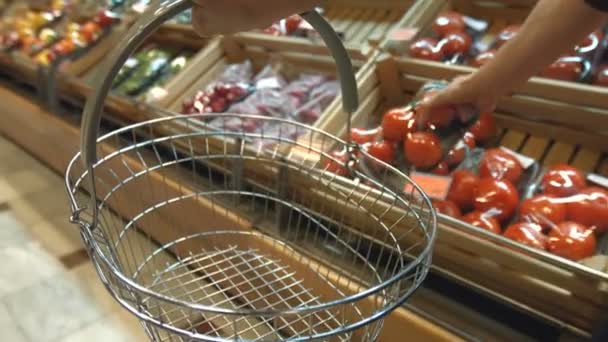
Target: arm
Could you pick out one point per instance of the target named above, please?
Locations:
(231, 16)
(553, 28)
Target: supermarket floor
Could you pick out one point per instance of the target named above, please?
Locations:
(49, 290)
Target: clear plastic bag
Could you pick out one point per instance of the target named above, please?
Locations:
(567, 212)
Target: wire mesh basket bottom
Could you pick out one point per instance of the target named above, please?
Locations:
(310, 256)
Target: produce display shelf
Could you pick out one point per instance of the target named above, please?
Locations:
(31, 126)
(573, 294)
(77, 86)
(499, 14)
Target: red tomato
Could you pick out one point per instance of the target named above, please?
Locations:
(441, 169)
(483, 58)
(447, 207)
(482, 220)
(426, 48)
(590, 207)
(397, 123)
(496, 197)
(572, 241)
(591, 42)
(292, 23)
(544, 210)
(566, 68)
(449, 22)
(382, 150)
(601, 78)
(506, 34)
(90, 31)
(563, 180)
(527, 233)
(455, 43)
(484, 128)
(422, 149)
(462, 191)
(106, 18)
(499, 164)
(336, 166)
(457, 154)
(440, 117)
(363, 136)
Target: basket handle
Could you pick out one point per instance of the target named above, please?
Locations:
(150, 20)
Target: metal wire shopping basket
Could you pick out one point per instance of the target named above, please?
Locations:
(265, 243)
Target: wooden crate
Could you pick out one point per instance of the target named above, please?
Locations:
(364, 23)
(499, 14)
(78, 82)
(572, 294)
(295, 57)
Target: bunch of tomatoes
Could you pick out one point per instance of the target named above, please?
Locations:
(454, 42)
(564, 218)
(401, 133)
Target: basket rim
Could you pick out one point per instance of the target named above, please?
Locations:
(422, 256)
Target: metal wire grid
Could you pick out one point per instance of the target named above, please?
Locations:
(221, 281)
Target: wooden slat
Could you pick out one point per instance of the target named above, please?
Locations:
(513, 139)
(535, 147)
(586, 159)
(559, 153)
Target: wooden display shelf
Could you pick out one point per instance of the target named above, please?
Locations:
(499, 14)
(80, 84)
(292, 59)
(364, 24)
(32, 127)
(556, 289)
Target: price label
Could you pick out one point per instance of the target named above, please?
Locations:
(434, 186)
(403, 34)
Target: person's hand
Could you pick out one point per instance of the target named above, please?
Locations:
(462, 92)
(211, 17)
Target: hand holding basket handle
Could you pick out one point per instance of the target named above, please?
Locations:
(148, 23)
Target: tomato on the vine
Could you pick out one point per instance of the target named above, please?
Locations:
(527, 233)
(447, 207)
(363, 136)
(462, 190)
(423, 149)
(455, 43)
(572, 241)
(484, 128)
(449, 22)
(589, 207)
(482, 220)
(566, 68)
(382, 150)
(498, 197)
(426, 48)
(545, 210)
(397, 123)
(563, 180)
(500, 164)
(442, 169)
(337, 166)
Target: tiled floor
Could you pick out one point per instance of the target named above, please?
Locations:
(49, 290)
